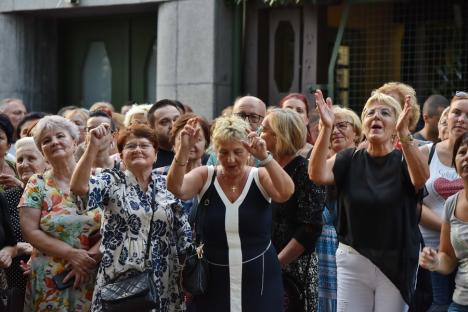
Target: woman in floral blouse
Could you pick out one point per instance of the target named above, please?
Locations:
(130, 200)
(61, 237)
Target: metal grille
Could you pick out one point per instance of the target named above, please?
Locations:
(421, 43)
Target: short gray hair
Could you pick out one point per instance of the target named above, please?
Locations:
(24, 141)
(54, 122)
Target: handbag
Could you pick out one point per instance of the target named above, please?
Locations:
(196, 270)
(136, 291)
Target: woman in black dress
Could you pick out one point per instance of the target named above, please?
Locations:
(377, 256)
(244, 269)
(297, 223)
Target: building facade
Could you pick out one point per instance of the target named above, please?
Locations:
(204, 53)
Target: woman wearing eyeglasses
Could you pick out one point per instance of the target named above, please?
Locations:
(132, 201)
(377, 191)
(444, 181)
(346, 134)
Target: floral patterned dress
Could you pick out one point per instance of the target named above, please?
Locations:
(126, 222)
(61, 220)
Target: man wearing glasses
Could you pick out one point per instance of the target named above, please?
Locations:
(251, 109)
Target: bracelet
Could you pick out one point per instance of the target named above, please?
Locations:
(406, 139)
(180, 163)
(266, 161)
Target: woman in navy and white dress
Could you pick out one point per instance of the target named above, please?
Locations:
(245, 274)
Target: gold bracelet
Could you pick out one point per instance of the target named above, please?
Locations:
(180, 163)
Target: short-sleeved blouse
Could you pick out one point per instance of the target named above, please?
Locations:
(127, 213)
(459, 240)
(61, 220)
(377, 213)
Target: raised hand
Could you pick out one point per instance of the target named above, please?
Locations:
(429, 259)
(255, 145)
(325, 110)
(403, 120)
(95, 135)
(189, 135)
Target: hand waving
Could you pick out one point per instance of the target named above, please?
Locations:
(325, 109)
(403, 120)
(189, 135)
(256, 145)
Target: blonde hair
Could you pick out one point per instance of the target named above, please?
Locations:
(352, 117)
(98, 105)
(382, 98)
(80, 112)
(135, 110)
(403, 90)
(229, 128)
(289, 129)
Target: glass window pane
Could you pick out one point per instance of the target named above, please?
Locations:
(151, 75)
(97, 75)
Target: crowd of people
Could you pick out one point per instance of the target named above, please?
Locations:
(302, 206)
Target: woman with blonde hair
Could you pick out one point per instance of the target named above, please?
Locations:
(379, 242)
(400, 92)
(297, 223)
(244, 269)
(79, 117)
(347, 132)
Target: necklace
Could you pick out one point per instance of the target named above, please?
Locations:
(235, 185)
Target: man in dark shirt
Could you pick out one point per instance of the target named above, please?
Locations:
(161, 116)
(432, 110)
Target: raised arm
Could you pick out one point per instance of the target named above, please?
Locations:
(186, 186)
(416, 160)
(320, 168)
(273, 178)
(80, 178)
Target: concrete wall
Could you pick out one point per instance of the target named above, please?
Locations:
(27, 60)
(195, 54)
(32, 5)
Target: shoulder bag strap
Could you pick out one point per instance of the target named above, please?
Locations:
(431, 153)
(148, 241)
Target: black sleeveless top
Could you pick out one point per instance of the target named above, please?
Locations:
(377, 213)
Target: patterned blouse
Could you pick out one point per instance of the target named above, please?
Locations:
(127, 215)
(61, 220)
